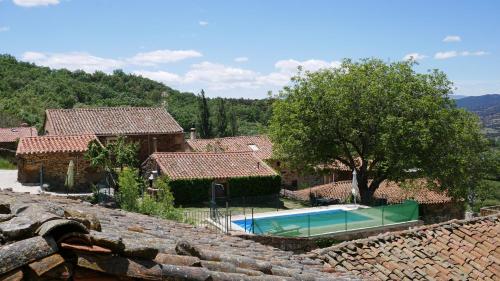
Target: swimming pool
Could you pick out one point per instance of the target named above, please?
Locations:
(313, 221)
(294, 224)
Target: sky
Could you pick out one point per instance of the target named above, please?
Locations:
(247, 48)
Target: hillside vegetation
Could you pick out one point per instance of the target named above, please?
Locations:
(488, 109)
(26, 90)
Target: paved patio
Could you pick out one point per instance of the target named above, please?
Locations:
(8, 179)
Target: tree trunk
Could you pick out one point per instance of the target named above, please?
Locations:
(365, 192)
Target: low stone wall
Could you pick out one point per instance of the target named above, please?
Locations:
(441, 212)
(306, 244)
(488, 211)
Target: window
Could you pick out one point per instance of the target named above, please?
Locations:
(253, 147)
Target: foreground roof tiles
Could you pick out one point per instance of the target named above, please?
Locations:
(110, 121)
(261, 145)
(52, 144)
(213, 165)
(53, 238)
(13, 134)
(454, 250)
(391, 191)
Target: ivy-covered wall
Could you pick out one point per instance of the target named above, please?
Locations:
(189, 191)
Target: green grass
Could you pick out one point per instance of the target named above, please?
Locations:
(6, 165)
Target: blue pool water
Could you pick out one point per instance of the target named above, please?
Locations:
(299, 221)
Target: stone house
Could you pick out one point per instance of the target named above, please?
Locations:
(191, 173)
(153, 128)
(45, 159)
(9, 138)
(262, 147)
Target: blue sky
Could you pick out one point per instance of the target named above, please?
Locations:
(245, 48)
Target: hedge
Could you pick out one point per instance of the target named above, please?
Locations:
(188, 191)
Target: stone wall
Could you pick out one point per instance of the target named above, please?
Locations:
(293, 179)
(436, 213)
(488, 211)
(164, 143)
(55, 168)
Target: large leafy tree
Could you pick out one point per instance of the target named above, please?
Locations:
(383, 120)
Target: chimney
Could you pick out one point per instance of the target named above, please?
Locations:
(192, 134)
(155, 144)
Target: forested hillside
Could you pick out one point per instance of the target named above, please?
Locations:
(26, 90)
(488, 109)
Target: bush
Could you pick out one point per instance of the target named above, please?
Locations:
(188, 191)
(191, 190)
(161, 206)
(6, 164)
(130, 187)
(254, 186)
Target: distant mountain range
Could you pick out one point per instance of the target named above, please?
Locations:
(488, 109)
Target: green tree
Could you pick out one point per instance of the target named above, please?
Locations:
(204, 123)
(128, 180)
(123, 152)
(221, 118)
(383, 120)
(233, 123)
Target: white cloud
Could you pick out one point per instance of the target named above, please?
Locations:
(162, 76)
(241, 59)
(163, 56)
(4, 28)
(73, 61)
(35, 3)
(445, 55)
(477, 53)
(451, 54)
(219, 76)
(414, 56)
(203, 23)
(452, 38)
(291, 65)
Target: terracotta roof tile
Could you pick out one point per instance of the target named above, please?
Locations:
(156, 249)
(428, 250)
(261, 145)
(51, 144)
(13, 134)
(111, 121)
(183, 165)
(388, 190)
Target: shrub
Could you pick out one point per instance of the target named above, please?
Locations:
(254, 186)
(6, 164)
(189, 191)
(130, 186)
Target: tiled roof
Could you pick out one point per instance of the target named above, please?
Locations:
(110, 121)
(454, 250)
(51, 144)
(55, 238)
(13, 134)
(391, 191)
(260, 145)
(217, 165)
